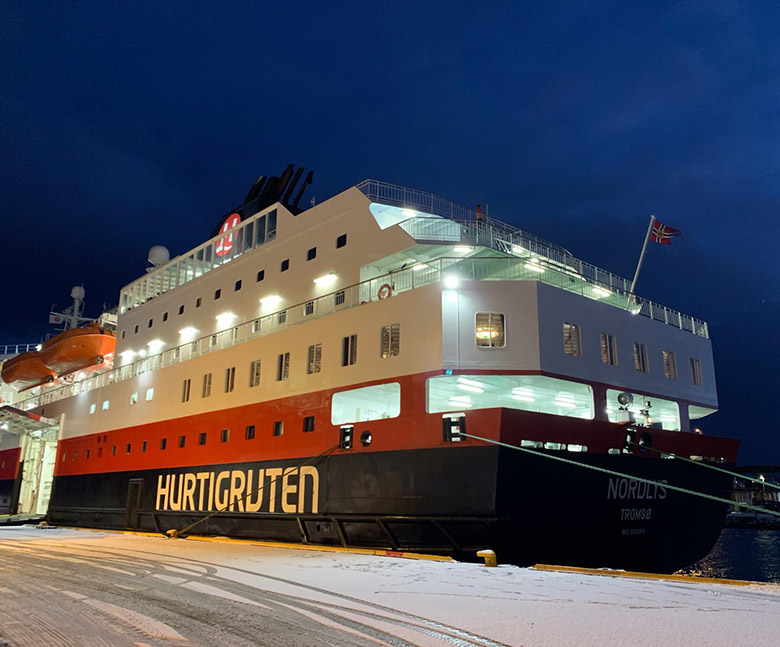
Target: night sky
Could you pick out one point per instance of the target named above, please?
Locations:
(125, 125)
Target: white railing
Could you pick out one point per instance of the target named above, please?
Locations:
(484, 269)
(9, 350)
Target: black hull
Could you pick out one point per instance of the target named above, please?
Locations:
(453, 500)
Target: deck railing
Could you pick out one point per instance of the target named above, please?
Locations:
(410, 278)
(9, 350)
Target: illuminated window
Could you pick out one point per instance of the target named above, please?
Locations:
(641, 363)
(314, 363)
(390, 341)
(490, 330)
(254, 373)
(367, 403)
(149, 394)
(105, 405)
(696, 377)
(670, 365)
(92, 408)
(571, 340)
(134, 397)
(608, 349)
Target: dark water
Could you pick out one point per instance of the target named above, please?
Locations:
(743, 554)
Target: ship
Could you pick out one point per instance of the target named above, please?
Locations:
(386, 369)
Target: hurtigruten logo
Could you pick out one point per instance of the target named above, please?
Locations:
(278, 489)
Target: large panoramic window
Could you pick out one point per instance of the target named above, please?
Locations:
(489, 330)
(665, 413)
(368, 403)
(527, 392)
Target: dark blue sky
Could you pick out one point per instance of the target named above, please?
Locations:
(125, 125)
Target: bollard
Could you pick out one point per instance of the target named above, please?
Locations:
(489, 556)
(172, 534)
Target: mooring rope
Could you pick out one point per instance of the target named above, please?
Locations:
(175, 534)
(604, 470)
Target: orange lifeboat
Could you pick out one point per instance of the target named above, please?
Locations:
(78, 349)
(26, 371)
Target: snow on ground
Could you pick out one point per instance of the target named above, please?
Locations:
(510, 605)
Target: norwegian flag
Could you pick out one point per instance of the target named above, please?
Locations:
(663, 234)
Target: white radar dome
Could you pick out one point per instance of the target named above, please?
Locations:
(159, 255)
(77, 292)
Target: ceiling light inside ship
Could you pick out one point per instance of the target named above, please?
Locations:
(601, 292)
(419, 266)
(451, 282)
(472, 389)
(534, 265)
(271, 301)
(465, 380)
(462, 249)
(409, 213)
(325, 280)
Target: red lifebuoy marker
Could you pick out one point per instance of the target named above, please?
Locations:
(385, 291)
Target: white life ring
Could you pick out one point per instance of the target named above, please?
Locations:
(385, 291)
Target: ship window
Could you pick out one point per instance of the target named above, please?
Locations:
(89, 451)
(163, 443)
(237, 286)
(314, 360)
(308, 423)
(225, 435)
(134, 397)
(339, 298)
(278, 428)
(367, 403)
(256, 324)
(282, 316)
(390, 341)
(250, 432)
(143, 446)
(260, 275)
(182, 440)
(663, 412)
(100, 452)
(198, 301)
(525, 392)
(149, 394)
(113, 450)
(185, 392)
(308, 308)
(489, 330)
(217, 293)
(135, 329)
(608, 349)
(214, 340)
(127, 448)
(696, 377)
(271, 234)
(283, 367)
(165, 316)
(571, 340)
(92, 408)
(105, 405)
(349, 350)
(341, 241)
(311, 254)
(202, 438)
(640, 358)
(181, 310)
(230, 379)
(254, 373)
(124, 332)
(285, 265)
(670, 365)
(149, 325)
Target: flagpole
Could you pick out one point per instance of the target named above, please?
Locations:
(632, 296)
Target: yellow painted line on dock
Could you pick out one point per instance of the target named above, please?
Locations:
(646, 576)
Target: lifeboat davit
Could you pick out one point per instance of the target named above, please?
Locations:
(78, 349)
(26, 370)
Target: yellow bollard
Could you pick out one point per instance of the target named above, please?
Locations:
(489, 556)
(172, 534)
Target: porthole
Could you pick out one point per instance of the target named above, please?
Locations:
(366, 438)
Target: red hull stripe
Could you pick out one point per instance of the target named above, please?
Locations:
(9, 463)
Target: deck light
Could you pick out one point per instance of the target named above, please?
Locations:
(188, 332)
(451, 282)
(271, 301)
(224, 319)
(419, 266)
(462, 249)
(409, 213)
(601, 292)
(155, 345)
(325, 280)
(516, 249)
(533, 265)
